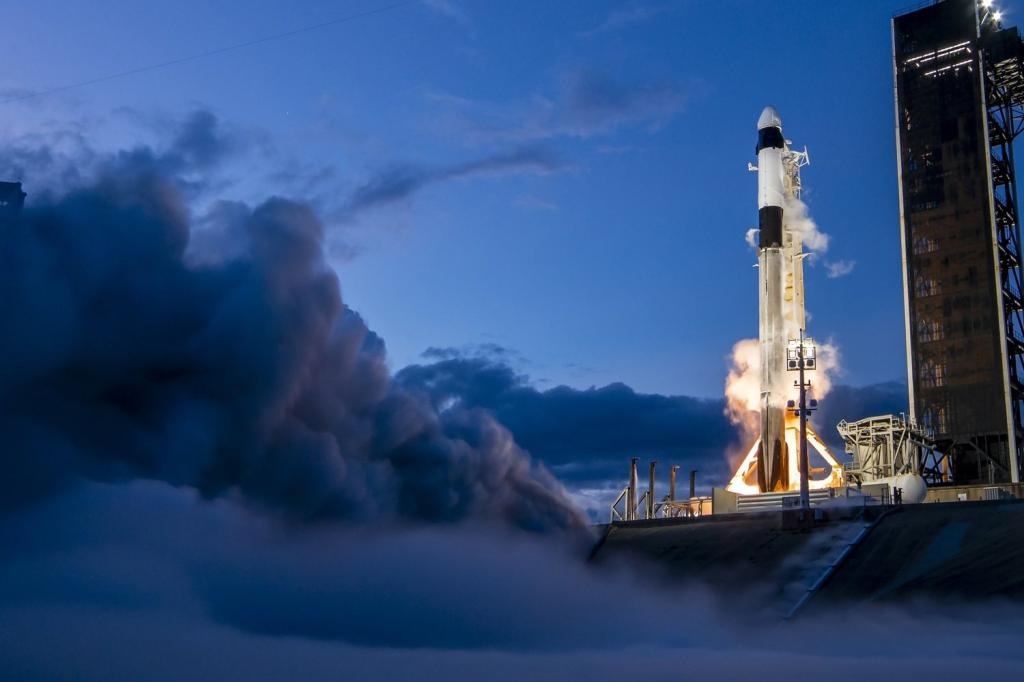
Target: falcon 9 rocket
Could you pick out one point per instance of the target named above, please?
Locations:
(772, 455)
(772, 463)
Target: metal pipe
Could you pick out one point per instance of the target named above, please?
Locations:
(693, 483)
(631, 496)
(672, 482)
(650, 491)
(805, 495)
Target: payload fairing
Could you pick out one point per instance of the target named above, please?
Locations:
(771, 463)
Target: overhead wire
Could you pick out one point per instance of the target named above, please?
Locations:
(208, 53)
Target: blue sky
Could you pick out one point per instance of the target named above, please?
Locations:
(567, 180)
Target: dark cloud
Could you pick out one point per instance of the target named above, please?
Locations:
(587, 436)
(200, 143)
(485, 351)
(53, 162)
(123, 357)
(400, 182)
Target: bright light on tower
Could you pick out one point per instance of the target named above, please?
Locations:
(986, 3)
(998, 16)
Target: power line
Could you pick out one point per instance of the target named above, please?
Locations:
(209, 53)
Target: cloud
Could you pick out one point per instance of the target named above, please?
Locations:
(532, 202)
(400, 182)
(247, 376)
(190, 153)
(596, 102)
(451, 10)
(798, 219)
(587, 103)
(839, 268)
(487, 351)
(624, 17)
(587, 436)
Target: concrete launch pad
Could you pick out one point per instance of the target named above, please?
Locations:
(775, 564)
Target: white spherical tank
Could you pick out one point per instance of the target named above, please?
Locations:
(914, 488)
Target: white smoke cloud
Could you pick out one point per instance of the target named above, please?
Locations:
(797, 219)
(828, 368)
(751, 237)
(839, 268)
(743, 388)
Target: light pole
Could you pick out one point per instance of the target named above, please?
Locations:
(800, 357)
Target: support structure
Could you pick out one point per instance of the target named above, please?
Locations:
(959, 106)
(892, 445)
(1002, 57)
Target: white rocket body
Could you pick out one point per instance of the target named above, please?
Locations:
(772, 462)
(774, 278)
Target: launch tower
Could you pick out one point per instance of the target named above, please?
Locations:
(959, 106)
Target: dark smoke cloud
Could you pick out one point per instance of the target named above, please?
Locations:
(121, 358)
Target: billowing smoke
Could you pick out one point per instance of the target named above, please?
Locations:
(743, 388)
(238, 371)
(146, 581)
(743, 383)
(799, 221)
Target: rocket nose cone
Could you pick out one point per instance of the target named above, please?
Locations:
(769, 119)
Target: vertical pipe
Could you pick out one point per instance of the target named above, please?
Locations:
(693, 483)
(650, 491)
(805, 495)
(911, 343)
(631, 495)
(672, 482)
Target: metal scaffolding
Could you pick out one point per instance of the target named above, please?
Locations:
(959, 108)
(891, 445)
(1003, 73)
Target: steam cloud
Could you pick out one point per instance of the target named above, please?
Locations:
(145, 581)
(237, 374)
